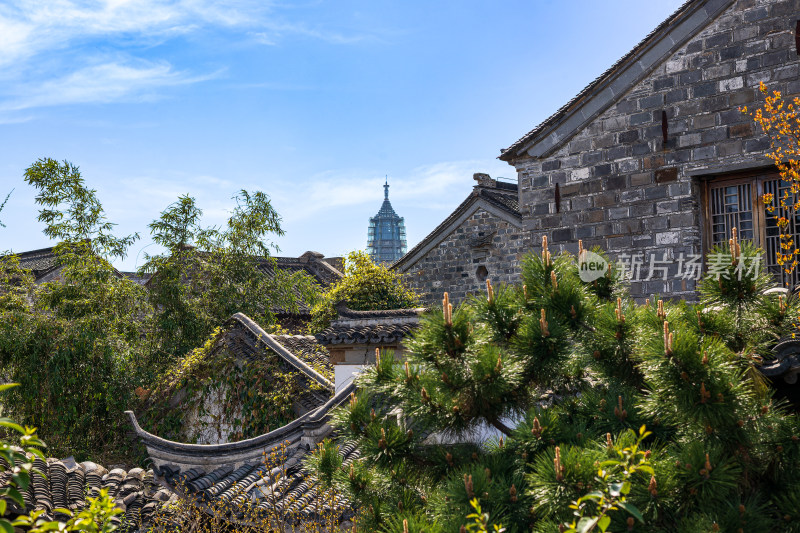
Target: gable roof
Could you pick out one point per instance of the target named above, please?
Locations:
(501, 200)
(44, 261)
(611, 85)
(39, 262)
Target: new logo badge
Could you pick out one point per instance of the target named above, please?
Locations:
(591, 266)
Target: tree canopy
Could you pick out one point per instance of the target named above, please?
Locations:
(207, 274)
(80, 345)
(562, 377)
(366, 286)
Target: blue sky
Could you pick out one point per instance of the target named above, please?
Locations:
(312, 102)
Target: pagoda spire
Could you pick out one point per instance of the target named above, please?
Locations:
(386, 235)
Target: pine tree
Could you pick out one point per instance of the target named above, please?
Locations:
(565, 375)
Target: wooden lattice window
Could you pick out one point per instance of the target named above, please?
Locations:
(736, 202)
(731, 206)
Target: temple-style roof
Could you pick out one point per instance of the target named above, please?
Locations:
(306, 348)
(40, 262)
(231, 474)
(247, 341)
(600, 94)
(44, 266)
(252, 341)
(141, 279)
(324, 270)
(313, 264)
(377, 334)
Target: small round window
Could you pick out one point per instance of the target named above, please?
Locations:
(482, 273)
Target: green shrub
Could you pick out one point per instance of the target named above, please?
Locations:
(366, 286)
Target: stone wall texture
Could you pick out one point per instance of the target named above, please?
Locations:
(621, 186)
(454, 265)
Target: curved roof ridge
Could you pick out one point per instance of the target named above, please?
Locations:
(258, 443)
(170, 451)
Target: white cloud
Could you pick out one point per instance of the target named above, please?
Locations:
(107, 82)
(431, 186)
(56, 52)
(29, 28)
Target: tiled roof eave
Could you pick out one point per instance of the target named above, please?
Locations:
(366, 335)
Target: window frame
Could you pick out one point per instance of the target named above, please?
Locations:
(756, 178)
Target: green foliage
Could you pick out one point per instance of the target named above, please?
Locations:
(250, 405)
(480, 520)
(208, 274)
(614, 477)
(326, 462)
(82, 344)
(98, 517)
(16, 465)
(564, 374)
(72, 212)
(365, 286)
(5, 201)
(73, 344)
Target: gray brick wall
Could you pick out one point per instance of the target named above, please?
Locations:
(621, 187)
(453, 264)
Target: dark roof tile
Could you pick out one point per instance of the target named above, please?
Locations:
(366, 334)
(67, 484)
(269, 474)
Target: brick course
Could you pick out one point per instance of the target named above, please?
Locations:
(453, 265)
(647, 201)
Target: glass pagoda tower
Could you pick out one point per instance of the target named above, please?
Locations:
(386, 237)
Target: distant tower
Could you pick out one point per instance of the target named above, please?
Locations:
(386, 237)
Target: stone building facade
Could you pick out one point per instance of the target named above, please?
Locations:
(653, 161)
(483, 238)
